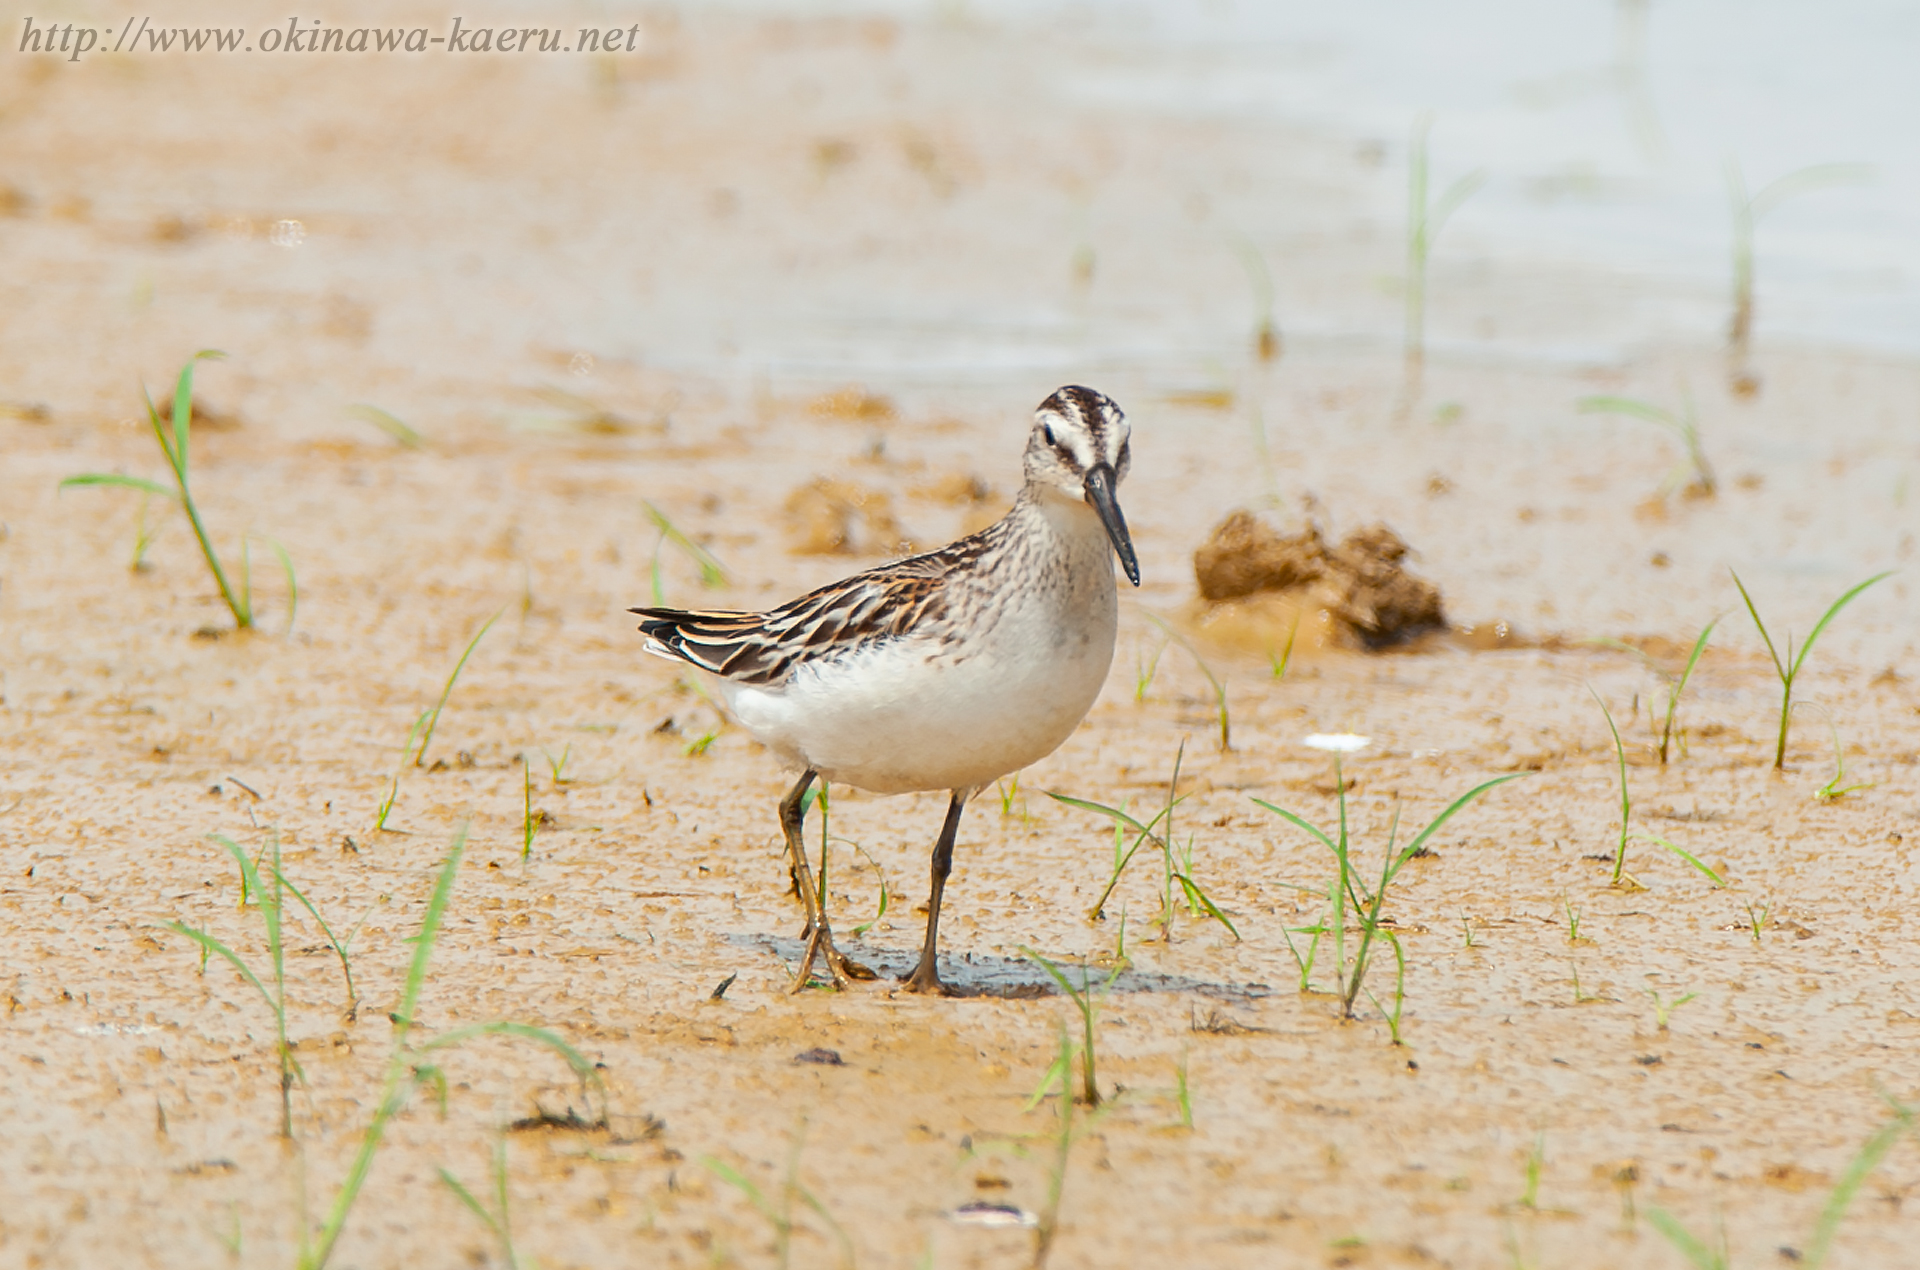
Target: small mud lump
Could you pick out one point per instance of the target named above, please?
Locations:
(1360, 583)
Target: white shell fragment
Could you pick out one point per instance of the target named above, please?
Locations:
(993, 1216)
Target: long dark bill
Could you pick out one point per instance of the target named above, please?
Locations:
(1100, 494)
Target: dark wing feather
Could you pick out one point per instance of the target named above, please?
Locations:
(760, 648)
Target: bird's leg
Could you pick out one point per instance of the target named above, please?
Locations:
(926, 976)
(793, 819)
(818, 933)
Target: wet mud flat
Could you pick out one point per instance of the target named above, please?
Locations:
(1573, 1053)
(145, 1092)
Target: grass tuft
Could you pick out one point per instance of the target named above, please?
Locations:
(1705, 1256)
(431, 719)
(410, 1065)
(268, 900)
(1679, 686)
(712, 573)
(1684, 426)
(1047, 1229)
(389, 424)
(1084, 1001)
(1836, 789)
(778, 1214)
(1788, 668)
(1347, 889)
(175, 439)
(528, 826)
(497, 1219)
(1663, 1009)
(1620, 877)
(1219, 688)
(1266, 333)
(1747, 212)
(1144, 672)
(1425, 220)
(1177, 871)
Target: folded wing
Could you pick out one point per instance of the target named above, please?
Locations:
(762, 648)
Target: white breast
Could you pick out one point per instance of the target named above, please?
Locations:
(918, 714)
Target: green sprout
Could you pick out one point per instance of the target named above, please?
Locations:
(1424, 222)
(1684, 426)
(1788, 668)
(175, 440)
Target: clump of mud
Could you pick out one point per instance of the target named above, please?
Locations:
(1360, 590)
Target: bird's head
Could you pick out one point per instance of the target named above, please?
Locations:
(1079, 447)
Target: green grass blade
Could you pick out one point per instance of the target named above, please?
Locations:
(582, 1065)
(429, 932)
(1194, 893)
(1112, 812)
(1061, 1059)
(339, 947)
(1627, 406)
(182, 416)
(1778, 665)
(389, 424)
(433, 719)
(1626, 797)
(1684, 854)
(1313, 829)
(399, 1084)
(183, 407)
(712, 572)
(500, 1200)
(219, 949)
(1448, 203)
(1821, 625)
(293, 584)
(250, 881)
(1082, 997)
(160, 431)
(1851, 1181)
(741, 1182)
(465, 1196)
(1219, 688)
(1702, 1257)
(1805, 181)
(1077, 995)
(1412, 849)
(838, 1231)
(1680, 685)
(125, 482)
(175, 448)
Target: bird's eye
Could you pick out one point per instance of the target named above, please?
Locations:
(1046, 430)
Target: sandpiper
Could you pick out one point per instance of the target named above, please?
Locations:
(943, 671)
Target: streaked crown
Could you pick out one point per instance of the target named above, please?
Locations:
(1074, 431)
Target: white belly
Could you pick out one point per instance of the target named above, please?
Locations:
(907, 715)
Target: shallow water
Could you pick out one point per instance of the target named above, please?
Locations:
(1605, 130)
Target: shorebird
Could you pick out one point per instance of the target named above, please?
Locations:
(943, 671)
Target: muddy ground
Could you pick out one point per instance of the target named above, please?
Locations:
(480, 273)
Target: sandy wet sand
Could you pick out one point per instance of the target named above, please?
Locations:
(491, 276)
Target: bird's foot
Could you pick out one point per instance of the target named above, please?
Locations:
(840, 967)
(926, 978)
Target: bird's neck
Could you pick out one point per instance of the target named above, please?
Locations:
(1073, 526)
